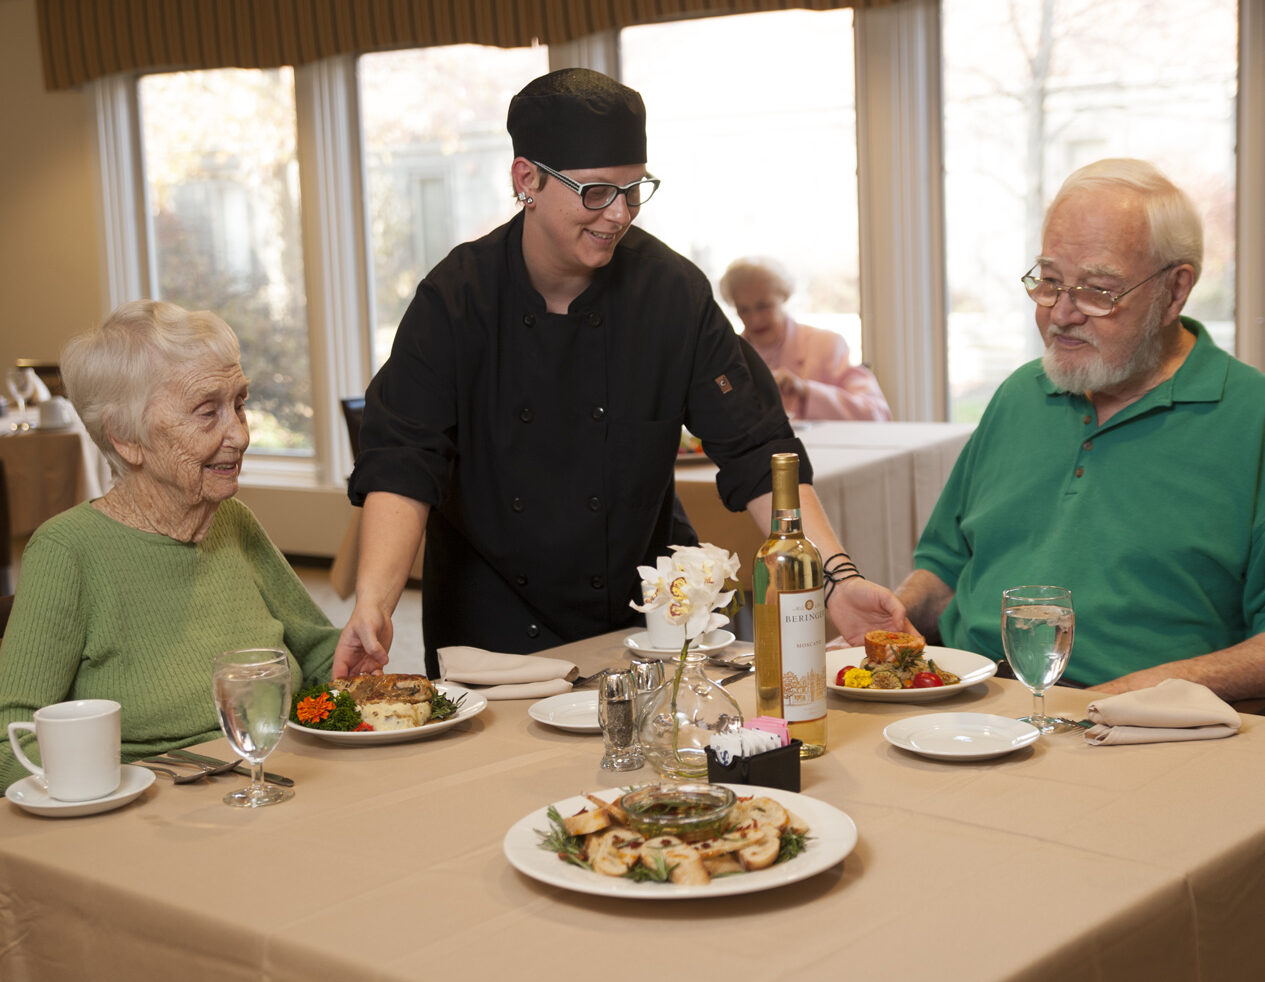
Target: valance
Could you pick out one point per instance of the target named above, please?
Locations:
(81, 40)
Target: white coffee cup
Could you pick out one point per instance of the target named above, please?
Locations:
(79, 745)
(664, 634)
(56, 411)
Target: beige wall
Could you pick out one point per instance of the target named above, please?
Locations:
(50, 279)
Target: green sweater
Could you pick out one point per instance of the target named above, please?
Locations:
(106, 611)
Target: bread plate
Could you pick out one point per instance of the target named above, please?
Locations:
(972, 669)
(474, 704)
(831, 836)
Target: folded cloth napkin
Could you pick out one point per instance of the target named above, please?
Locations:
(506, 676)
(1173, 710)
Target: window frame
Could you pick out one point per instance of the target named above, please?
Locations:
(900, 191)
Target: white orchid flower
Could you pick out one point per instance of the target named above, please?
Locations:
(690, 584)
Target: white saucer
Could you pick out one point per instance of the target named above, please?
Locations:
(30, 794)
(960, 736)
(711, 641)
(575, 711)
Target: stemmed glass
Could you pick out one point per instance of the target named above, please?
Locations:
(1037, 625)
(21, 382)
(252, 698)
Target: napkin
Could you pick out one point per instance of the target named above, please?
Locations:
(506, 676)
(1176, 709)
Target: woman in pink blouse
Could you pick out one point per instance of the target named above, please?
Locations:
(812, 367)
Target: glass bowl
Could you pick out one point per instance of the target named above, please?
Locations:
(688, 811)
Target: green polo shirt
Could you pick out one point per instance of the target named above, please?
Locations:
(1155, 520)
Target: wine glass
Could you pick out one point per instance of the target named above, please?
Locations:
(1037, 624)
(21, 382)
(252, 698)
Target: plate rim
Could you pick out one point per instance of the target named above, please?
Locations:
(908, 695)
(369, 738)
(1026, 735)
(579, 695)
(831, 843)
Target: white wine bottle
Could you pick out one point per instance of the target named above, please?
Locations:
(790, 618)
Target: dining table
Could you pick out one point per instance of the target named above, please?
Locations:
(48, 468)
(1056, 861)
(877, 483)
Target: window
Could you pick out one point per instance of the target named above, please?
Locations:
(224, 227)
(1068, 82)
(752, 128)
(437, 160)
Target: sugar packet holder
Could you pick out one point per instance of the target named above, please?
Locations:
(777, 767)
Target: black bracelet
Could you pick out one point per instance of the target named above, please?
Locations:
(844, 569)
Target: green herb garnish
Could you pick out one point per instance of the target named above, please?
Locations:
(568, 848)
(322, 708)
(793, 843)
(441, 707)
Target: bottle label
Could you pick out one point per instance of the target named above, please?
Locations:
(802, 625)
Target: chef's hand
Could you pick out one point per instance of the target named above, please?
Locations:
(857, 606)
(364, 644)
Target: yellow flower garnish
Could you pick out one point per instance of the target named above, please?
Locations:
(857, 678)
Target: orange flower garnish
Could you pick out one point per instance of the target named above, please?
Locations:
(314, 709)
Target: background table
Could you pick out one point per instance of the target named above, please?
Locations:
(48, 471)
(1059, 862)
(878, 483)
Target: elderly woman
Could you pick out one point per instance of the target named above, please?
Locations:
(813, 367)
(130, 596)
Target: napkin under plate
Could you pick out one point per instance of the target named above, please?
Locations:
(506, 676)
(1176, 709)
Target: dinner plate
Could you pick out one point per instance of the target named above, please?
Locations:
(31, 795)
(831, 836)
(972, 669)
(576, 711)
(475, 703)
(711, 641)
(960, 736)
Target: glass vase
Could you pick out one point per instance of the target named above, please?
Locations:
(680, 717)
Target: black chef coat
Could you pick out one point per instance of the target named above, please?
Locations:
(545, 443)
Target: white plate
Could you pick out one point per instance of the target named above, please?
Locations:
(960, 736)
(832, 835)
(474, 704)
(576, 711)
(30, 794)
(711, 641)
(972, 668)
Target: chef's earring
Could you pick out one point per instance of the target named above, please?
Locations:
(526, 198)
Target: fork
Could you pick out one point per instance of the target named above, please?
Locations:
(175, 778)
(208, 768)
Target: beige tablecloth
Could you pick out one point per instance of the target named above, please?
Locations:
(48, 471)
(1058, 862)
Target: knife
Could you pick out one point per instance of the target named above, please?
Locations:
(242, 768)
(736, 676)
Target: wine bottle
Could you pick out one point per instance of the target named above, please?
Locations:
(790, 618)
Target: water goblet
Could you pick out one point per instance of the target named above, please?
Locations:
(1037, 625)
(21, 382)
(252, 697)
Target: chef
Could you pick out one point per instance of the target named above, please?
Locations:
(528, 418)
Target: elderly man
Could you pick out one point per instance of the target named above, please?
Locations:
(1128, 464)
(529, 416)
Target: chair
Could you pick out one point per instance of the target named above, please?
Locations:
(48, 372)
(353, 412)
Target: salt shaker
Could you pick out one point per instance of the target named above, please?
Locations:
(647, 676)
(615, 692)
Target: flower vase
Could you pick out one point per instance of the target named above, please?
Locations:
(680, 717)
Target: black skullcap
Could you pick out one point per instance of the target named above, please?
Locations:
(577, 118)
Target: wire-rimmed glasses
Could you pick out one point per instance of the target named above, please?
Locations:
(1089, 300)
(598, 195)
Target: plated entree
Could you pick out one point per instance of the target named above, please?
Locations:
(894, 660)
(372, 703)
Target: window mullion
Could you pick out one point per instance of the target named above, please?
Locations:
(123, 230)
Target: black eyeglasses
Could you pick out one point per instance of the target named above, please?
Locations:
(595, 197)
(1089, 300)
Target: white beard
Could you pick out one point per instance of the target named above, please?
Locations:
(1095, 375)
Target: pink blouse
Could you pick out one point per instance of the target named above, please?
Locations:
(837, 389)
